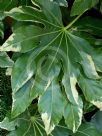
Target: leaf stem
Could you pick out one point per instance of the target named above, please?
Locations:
(69, 25)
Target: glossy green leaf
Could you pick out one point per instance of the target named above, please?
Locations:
(5, 61)
(7, 4)
(80, 6)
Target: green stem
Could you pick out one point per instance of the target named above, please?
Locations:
(69, 25)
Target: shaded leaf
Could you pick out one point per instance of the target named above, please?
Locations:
(90, 25)
(87, 129)
(5, 61)
(97, 121)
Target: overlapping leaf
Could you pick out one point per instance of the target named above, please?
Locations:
(80, 6)
(92, 90)
(55, 41)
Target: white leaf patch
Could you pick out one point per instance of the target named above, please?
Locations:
(48, 127)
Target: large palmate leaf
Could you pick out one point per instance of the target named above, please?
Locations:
(81, 6)
(26, 125)
(51, 51)
(5, 61)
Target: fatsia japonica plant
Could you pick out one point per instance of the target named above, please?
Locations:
(54, 56)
